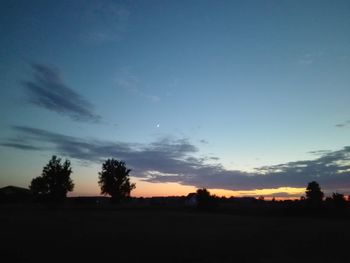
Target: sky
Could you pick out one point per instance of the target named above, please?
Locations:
(244, 98)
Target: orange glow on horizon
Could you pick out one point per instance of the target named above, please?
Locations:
(89, 187)
(148, 189)
(289, 192)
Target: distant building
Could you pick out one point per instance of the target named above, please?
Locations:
(191, 199)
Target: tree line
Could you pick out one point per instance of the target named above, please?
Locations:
(114, 180)
(314, 199)
(55, 181)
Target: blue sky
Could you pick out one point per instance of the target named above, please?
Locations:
(216, 94)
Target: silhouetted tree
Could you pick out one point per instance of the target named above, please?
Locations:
(328, 200)
(54, 182)
(114, 180)
(314, 195)
(204, 199)
(39, 186)
(338, 200)
(261, 199)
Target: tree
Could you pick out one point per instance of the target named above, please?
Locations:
(261, 199)
(314, 195)
(338, 200)
(54, 182)
(204, 199)
(114, 180)
(39, 186)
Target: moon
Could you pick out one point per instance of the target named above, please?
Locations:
(158, 125)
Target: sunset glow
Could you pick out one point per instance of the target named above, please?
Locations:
(244, 99)
(280, 193)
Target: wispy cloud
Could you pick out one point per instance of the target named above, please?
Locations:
(174, 160)
(129, 82)
(203, 141)
(47, 90)
(105, 21)
(320, 152)
(343, 124)
(312, 57)
(21, 146)
(306, 59)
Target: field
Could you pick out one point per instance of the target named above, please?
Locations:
(154, 235)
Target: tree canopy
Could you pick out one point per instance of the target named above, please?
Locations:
(314, 195)
(55, 181)
(338, 200)
(114, 180)
(204, 199)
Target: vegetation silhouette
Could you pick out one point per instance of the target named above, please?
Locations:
(314, 195)
(205, 200)
(114, 180)
(261, 198)
(339, 201)
(54, 182)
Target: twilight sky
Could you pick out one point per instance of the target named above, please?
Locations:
(241, 97)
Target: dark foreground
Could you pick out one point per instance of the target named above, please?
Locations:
(141, 235)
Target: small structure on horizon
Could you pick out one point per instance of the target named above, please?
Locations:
(191, 199)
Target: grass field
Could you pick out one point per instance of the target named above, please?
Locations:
(140, 235)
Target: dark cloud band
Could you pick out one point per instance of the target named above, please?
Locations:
(47, 90)
(170, 160)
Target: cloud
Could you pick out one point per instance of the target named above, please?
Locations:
(306, 59)
(47, 90)
(283, 195)
(130, 83)
(311, 58)
(104, 21)
(319, 152)
(21, 146)
(343, 124)
(174, 160)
